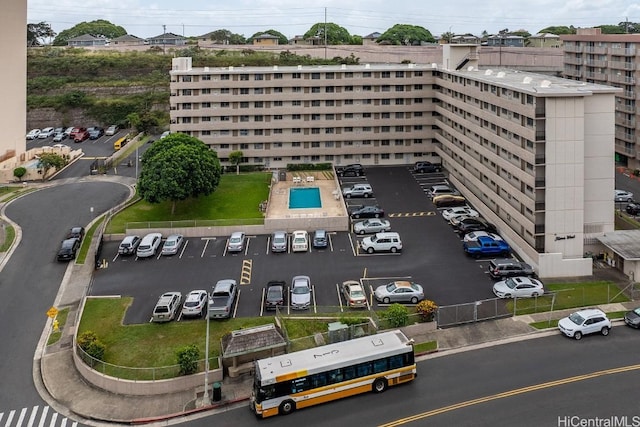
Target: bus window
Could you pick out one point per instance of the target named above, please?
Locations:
(380, 365)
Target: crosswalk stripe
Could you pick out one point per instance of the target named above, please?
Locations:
(21, 417)
(54, 417)
(32, 418)
(43, 416)
(10, 418)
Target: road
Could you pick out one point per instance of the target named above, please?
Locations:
(528, 383)
(31, 278)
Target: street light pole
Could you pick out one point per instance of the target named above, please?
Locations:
(205, 397)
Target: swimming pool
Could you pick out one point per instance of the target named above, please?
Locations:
(304, 198)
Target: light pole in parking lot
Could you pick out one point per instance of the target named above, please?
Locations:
(205, 397)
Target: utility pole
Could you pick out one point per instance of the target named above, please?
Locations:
(325, 33)
(164, 37)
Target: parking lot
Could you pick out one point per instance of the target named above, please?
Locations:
(431, 256)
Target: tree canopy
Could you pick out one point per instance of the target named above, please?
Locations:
(335, 33)
(282, 39)
(559, 30)
(176, 168)
(224, 36)
(98, 28)
(50, 160)
(38, 33)
(404, 34)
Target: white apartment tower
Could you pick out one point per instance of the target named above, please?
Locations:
(533, 153)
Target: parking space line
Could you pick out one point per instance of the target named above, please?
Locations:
(262, 297)
(186, 242)
(355, 252)
(236, 302)
(245, 277)
(339, 297)
(205, 246)
(411, 214)
(313, 294)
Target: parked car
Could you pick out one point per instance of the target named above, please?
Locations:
(96, 133)
(486, 246)
(633, 209)
(623, 196)
(165, 134)
(274, 295)
(357, 190)
(68, 131)
(366, 212)
(320, 239)
(632, 318)
(585, 322)
(149, 245)
(81, 136)
(173, 244)
(459, 211)
(300, 293)
(129, 245)
(426, 167)
(388, 241)
(58, 137)
(222, 298)
(474, 224)
(518, 287)
(236, 242)
(473, 236)
(46, 133)
(195, 303)
(112, 130)
(68, 249)
(448, 200)
(441, 189)
(77, 232)
(373, 225)
(353, 293)
(501, 268)
(279, 241)
(399, 291)
(300, 241)
(354, 169)
(167, 307)
(33, 134)
(75, 131)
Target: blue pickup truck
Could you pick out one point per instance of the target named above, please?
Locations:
(486, 246)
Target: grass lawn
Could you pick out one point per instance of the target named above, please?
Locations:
(62, 320)
(222, 204)
(86, 242)
(10, 235)
(424, 347)
(570, 295)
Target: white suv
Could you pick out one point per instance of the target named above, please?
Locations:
(585, 322)
(358, 190)
(149, 245)
(388, 241)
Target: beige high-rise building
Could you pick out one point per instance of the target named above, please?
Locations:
(13, 116)
(611, 59)
(534, 154)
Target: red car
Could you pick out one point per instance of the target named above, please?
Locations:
(81, 136)
(75, 131)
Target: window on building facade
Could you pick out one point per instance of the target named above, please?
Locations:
(329, 130)
(205, 105)
(399, 115)
(329, 117)
(399, 128)
(315, 103)
(417, 87)
(385, 129)
(244, 146)
(384, 142)
(225, 118)
(244, 105)
(244, 132)
(224, 76)
(296, 75)
(348, 115)
(186, 92)
(225, 104)
(296, 130)
(399, 101)
(186, 120)
(258, 146)
(385, 88)
(385, 75)
(348, 89)
(244, 118)
(315, 117)
(296, 89)
(225, 91)
(296, 116)
(399, 88)
(277, 117)
(277, 144)
(315, 131)
(315, 90)
(348, 129)
(258, 77)
(366, 88)
(258, 91)
(329, 89)
(206, 91)
(206, 77)
(296, 144)
(186, 106)
(366, 102)
(399, 73)
(315, 76)
(366, 115)
(329, 103)
(277, 76)
(399, 142)
(385, 102)
(206, 119)
(244, 77)
(366, 74)
(278, 103)
(258, 118)
(315, 158)
(384, 156)
(296, 103)
(244, 91)
(277, 90)
(258, 104)
(295, 158)
(329, 76)
(277, 131)
(315, 144)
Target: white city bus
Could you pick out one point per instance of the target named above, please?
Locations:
(304, 378)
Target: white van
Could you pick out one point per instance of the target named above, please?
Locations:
(388, 241)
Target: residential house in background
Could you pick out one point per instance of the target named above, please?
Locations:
(544, 40)
(167, 39)
(612, 59)
(505, 40)
(465, 39)
(87, 40)
(266, 40)
(128, 40)
(298, 40)
(370, 39)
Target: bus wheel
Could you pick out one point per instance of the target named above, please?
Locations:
(379, 385)
(287, 407)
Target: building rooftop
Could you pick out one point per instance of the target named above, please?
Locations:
(625, 243)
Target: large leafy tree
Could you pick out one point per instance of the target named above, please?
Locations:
(176, 168)
(612, 29)
(404, 34)
(630, 27)
(98, 28)
(559, 30)
(335, 33)
(282, 39)
(48, 161)
(37, 34)
(226, 37)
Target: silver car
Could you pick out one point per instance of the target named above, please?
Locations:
(399, 291)
(173, 244)
(279, 241)
(236, 242)
(373, 225)
(300, 293)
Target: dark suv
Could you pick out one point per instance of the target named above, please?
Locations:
(426, 167)
(509, 267)
(355, 169)
(468, 225)
(633, 209)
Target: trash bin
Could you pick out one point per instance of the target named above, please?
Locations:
(217, 392)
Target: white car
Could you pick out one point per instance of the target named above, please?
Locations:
(111, 130)
(46, 133)
(149, 245)
(473, 236)
(33, 134)
(300, 241)
(165, 134)
(300, 293)
(584, 322)
(518, 287)
(236, 242)
(450, 213)
(195, 304)
(623, 196)
(373, 225)
(58, 137)
(173, 244)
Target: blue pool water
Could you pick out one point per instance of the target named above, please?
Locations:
(307, 197)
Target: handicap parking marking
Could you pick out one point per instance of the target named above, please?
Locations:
(245, 276)
(411, 214)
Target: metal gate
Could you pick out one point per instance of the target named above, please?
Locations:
(494, 308)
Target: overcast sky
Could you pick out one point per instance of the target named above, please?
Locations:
(360, 17)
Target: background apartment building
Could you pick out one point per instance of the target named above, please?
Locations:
(533, 153)
(612, 59)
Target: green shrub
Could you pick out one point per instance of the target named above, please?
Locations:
(89, 343)
(188, 357)
(636, 172)
(292, 167)
(427, 309)
(19, 172)
(397, 315)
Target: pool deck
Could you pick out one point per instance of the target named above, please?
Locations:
(330, 196)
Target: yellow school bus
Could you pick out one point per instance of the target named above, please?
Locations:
(120, 142)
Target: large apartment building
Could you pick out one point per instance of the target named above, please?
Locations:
(612, 59)
(533, 153)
